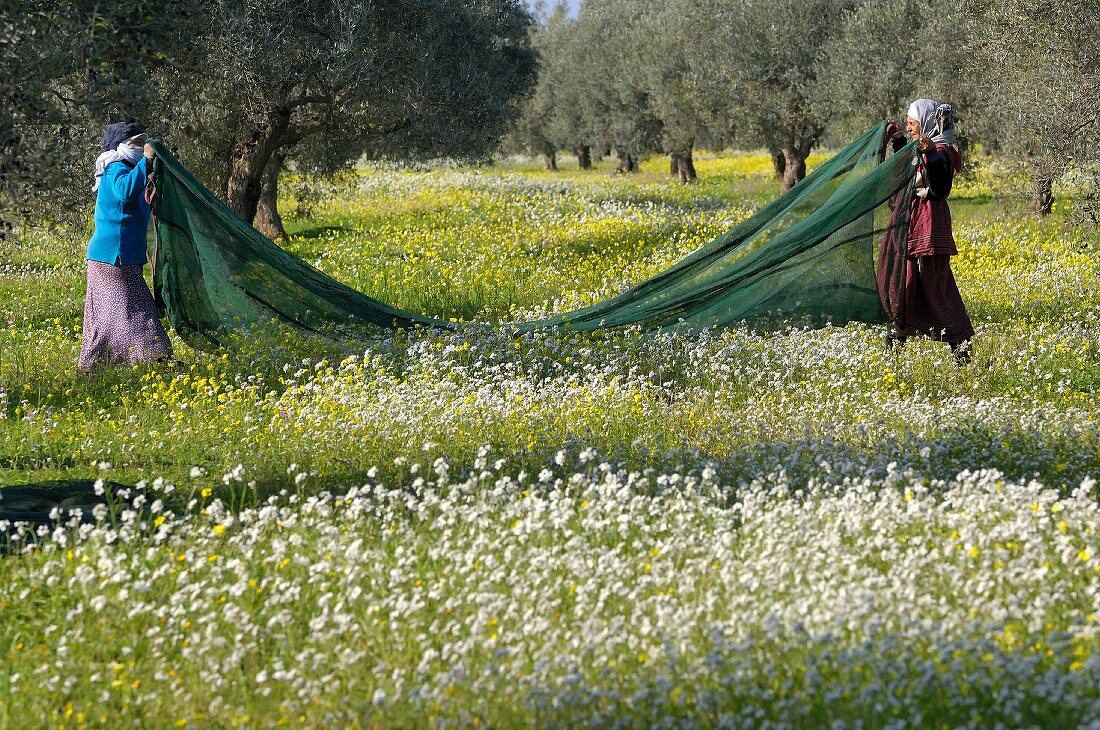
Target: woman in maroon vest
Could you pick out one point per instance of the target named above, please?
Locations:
(930, 303)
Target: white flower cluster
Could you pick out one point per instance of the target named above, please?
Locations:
(594, 597)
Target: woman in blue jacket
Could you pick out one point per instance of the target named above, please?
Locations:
(121, 323)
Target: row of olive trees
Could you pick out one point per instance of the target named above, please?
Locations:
(240, 89)
(638, 77)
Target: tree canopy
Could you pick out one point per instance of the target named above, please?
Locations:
(780, 74)
(1037, 70)
(242, 89)
(237, 87)
(332, 80)
(66, 68)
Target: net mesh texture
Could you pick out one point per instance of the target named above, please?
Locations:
(808, 256)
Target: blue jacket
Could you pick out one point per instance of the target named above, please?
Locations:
(121, 215)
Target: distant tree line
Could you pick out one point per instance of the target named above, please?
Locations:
(633, 77)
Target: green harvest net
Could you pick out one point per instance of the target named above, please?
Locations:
(809, 255)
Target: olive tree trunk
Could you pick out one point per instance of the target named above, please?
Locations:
(682, 166)
(794, 162)
(268, 220)
(247, 163)
(550, 160)
(1042, 194)
(584, 156)
(627, 163)
(794, 169)
(779, 163)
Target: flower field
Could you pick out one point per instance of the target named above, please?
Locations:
(627, 529)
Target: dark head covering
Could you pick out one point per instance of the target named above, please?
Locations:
(117, 133)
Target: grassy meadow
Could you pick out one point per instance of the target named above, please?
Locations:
(626, 529)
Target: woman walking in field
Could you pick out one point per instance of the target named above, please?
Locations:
(929, 302)
(121, 323)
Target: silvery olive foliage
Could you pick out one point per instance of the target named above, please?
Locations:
(1022, 76)
(1036, 65)
(784, 75)
(886, 57)
(67, 68)
(337, 79)
(613, 98)
(760, 68)
(616, 78)
(232, 86)
(550, 121)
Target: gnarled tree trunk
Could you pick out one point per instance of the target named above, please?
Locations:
(584, 156)
(682, 166)
(794, 169)
(779, 163)
(1042, 194)
(550, 160)
(627, 163)
(268, 220)
(794, 161)
(247, 164)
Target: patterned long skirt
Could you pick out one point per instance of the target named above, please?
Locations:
(933, 306)
(121, 323)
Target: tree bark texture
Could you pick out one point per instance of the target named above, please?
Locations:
(627, 163)
(779, 163)
(682, 166)
(268, 220)
(794, 169)
(248, 162)
(1042, 194)
(584, 156)
(794, 162)
(550, 161)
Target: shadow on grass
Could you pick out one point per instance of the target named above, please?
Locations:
(310, 234)
(34, 502)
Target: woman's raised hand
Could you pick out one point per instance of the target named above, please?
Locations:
(149, 151)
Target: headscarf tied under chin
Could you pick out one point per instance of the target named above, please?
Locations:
(937, 121)
(114, 150)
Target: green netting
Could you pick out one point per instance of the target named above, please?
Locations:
(806, 256)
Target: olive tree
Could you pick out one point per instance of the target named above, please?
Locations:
(547, 124)
(347, 77)
(757, 65)
(660, 60)
(1023, 76)
(883, 59)
(66, 68)
(1036, 67)
(608, 93)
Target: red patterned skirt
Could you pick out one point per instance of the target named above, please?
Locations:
(916, 285)
(933, 305)
(930, 228)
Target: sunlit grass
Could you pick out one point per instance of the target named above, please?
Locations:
(562, 529)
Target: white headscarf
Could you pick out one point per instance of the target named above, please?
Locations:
(123, 152)
(937, 121)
